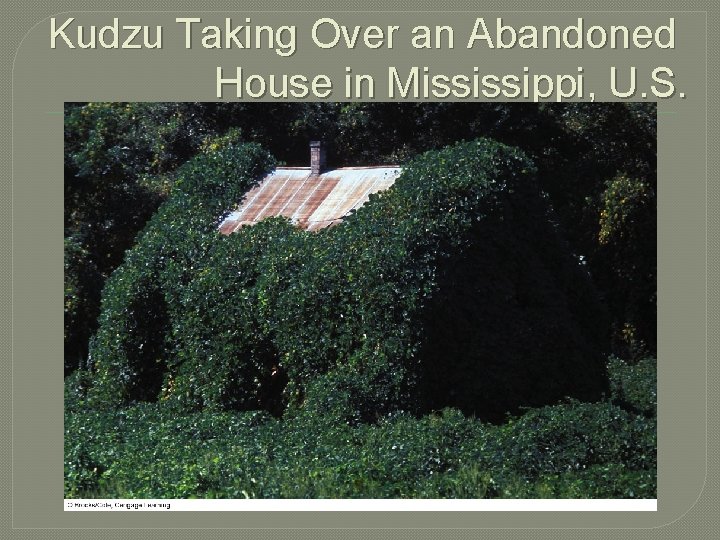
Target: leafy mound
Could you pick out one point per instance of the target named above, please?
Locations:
(452, 288)
(571, 450)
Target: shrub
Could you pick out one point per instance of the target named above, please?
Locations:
(627, 218)
(573, 450)
(634, 385)
(574, 437)
(141, 302)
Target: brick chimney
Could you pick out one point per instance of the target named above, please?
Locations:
(317, 158)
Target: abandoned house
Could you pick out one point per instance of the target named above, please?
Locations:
(453, 289)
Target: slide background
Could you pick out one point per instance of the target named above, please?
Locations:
(37, 81)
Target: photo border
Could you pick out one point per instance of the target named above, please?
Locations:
(684, 264)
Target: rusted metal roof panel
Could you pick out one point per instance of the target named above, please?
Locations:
(311, 202)
(321, 189)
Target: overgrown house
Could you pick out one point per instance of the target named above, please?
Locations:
(442, 284)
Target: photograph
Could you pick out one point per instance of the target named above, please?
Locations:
(360, 300)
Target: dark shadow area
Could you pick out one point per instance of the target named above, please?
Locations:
(504, 331)
(272, 381)
(149, 348)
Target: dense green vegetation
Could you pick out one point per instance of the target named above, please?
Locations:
(453, 315)
(449, 289)
(580, 450)
(596, 162)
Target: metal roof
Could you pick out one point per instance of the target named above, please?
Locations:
(310, 202)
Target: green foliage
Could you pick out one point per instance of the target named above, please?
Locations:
(121, 162)
(396, 308)
(605, 184)
(627, 218)
(634, 385)
(278, 363)
(133, 139)
(110, 151)
(622, 199)
(574, 437)
(142, 299)
(572, 450)
(608, 481)
(122, 159)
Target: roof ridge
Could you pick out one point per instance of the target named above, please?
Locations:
(340, 168)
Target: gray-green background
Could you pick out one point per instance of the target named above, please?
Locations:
(38, 80)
